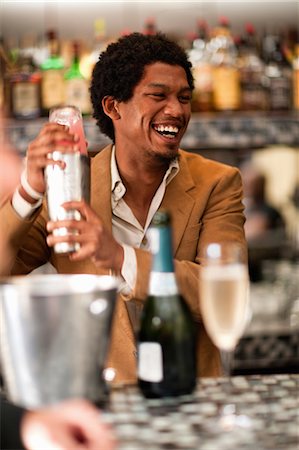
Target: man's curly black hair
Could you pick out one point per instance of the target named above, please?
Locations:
(121, 66)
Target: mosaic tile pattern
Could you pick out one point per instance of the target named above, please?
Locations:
(267, 416)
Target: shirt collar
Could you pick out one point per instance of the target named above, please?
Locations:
(115, 177)
(172, 171)
(117, 187)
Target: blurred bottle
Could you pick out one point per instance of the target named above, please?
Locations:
(25, 83)
(296, 78)
(226, 76)
(167, 337)
(7, 67)
(289, 40)
(150, 27)
(125, 32)
(53, 92)
(278, 74)
(100, 42)
(252, 72)
(76, 86)
(3, 70)
(186, 41)
(200, 57)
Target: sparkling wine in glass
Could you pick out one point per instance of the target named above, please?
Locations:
(224, 299)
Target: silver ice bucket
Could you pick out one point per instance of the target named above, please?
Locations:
(55, 333)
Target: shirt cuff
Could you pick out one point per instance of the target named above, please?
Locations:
(129, 270)
(23, 208)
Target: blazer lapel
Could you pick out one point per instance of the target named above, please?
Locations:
(101, 204)
(100, 201)
(101, 186)
(178, 201)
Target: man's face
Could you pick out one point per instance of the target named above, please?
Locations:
(154, 120)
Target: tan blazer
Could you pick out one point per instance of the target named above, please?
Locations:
(205, 201)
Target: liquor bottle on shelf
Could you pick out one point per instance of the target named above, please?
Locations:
(226, 76)
(167, 336)
(296, 78)
(252, 73)
(53, 88)
(150, 26)
(98, 45)
(76, 86)
(7, 67)
(25, 83)
(278, 74)
(200, 57)
(187, 41)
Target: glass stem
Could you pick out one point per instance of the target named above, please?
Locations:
(227, 358)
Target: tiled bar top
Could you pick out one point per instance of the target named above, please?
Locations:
(270, 404)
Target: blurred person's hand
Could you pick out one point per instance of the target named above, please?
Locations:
(10, 165)
(70, 425)
(10, 169)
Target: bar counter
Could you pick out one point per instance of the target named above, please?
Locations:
(270, 403)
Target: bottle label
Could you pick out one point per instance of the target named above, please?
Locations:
(226, 83)
(25, 98)
(162, 284)
(52, 88)
(150, 362)
(77, 93)
(280, 93)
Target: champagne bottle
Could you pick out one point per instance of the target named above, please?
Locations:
(167, 336)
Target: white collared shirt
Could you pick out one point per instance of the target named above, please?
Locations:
(125, 227)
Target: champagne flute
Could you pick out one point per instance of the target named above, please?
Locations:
(224, 299)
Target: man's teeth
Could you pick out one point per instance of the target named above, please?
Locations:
(168, 130)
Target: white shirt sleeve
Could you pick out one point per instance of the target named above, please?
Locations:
(23, 208)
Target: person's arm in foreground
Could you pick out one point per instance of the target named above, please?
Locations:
(70, 425)
(10, 420)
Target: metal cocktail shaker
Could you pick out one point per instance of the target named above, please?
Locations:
(70, 183)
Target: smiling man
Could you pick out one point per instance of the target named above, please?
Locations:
(141, 90)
